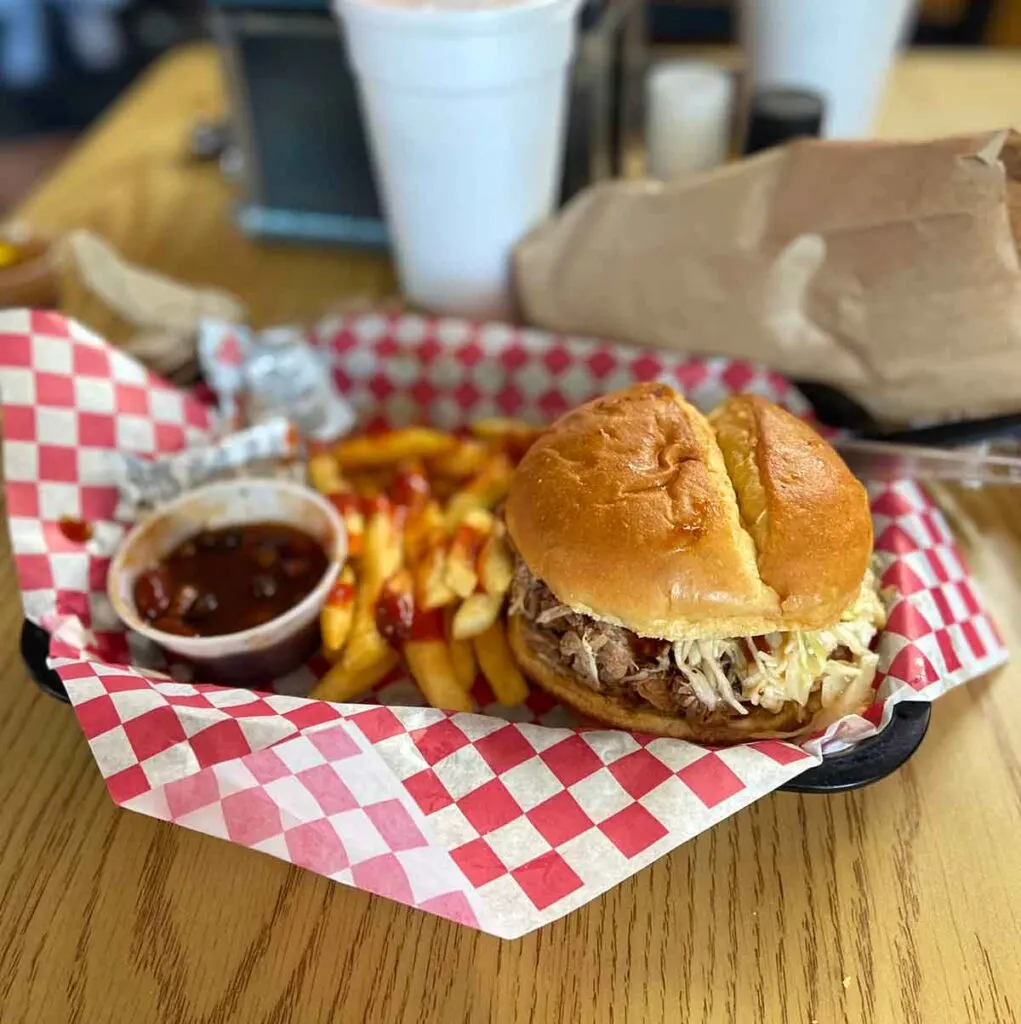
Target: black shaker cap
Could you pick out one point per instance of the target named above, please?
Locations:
(778, 115)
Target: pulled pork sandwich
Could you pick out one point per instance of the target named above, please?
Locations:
(701, 578)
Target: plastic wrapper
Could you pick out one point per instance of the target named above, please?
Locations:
(264, 375)
(272, 448)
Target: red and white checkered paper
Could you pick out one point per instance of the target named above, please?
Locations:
(502, 825)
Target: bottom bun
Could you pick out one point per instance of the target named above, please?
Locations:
(760, 723)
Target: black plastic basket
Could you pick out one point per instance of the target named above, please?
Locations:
(867, 762)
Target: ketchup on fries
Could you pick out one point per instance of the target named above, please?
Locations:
(429, 566)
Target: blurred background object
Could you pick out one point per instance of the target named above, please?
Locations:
(302, 158)
(776, 116)
(28, 275)
(843, 51)
(689, 117)
(62, 62)
(939, 22)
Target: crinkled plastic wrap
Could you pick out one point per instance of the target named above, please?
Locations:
(271, 449)
(260, 375)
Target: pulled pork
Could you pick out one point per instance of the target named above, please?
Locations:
(697, 678)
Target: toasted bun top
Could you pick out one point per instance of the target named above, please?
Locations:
(636, 509)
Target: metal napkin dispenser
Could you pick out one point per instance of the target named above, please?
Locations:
(304, 165)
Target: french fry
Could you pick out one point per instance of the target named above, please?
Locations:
(496, 564)
(486, 489)
(324, 474)
(462, 557)
(392, 446)
(466, 460)
(395, 608)
(460, 504)
(382, 555)
(496, 428)
(425, 552)
(342, 683)
(431, 588)
(434, 564)
(514, 436)
(475, 615)
(421, 640)
(383, 552)
(430, 664)
(365, 646)
(423, 531)
(492, 483)
(498, 666)
(462, 654)
(338, 613)
(410, 487)
(350, 509)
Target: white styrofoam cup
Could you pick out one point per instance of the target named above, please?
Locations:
(465, 109)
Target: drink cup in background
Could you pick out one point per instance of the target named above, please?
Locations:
(465, 109)
(842, 49)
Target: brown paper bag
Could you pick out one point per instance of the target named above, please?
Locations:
(889, 270)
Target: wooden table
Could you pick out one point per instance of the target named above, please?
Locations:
(898, 903)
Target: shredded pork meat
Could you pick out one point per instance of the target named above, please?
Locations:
(703, 678)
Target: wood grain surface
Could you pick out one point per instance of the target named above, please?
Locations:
(898, 903)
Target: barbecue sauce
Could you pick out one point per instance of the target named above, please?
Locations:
(230, 579)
